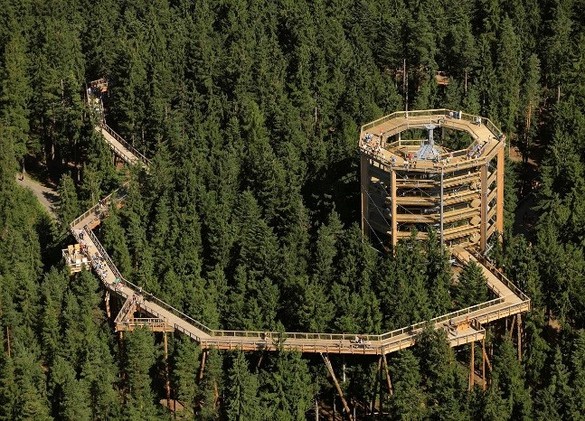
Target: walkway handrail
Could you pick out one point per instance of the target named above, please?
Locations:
(102, 202)
(382, 340)
(123, 310)
(293, 335)
(103, 253)
(145, 161)
(433, 113)
(498, 274)
(442, 318)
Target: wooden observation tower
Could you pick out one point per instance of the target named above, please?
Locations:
(432, 169)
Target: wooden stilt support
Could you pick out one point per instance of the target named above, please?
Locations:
(337, 386)
(167, 381)
(260, 360)
(381, 391)
(388, 379)
(107, 300)
(487, 360)
(472, 366)
(519, 332)
(215, 395)
(376, 386)
(483, 358)
(202, 368)
(316, 409)
(510, 326)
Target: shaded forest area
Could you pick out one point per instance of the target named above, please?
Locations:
(250, 112)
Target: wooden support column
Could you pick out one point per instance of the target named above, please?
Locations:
(484, 204)
(202, 367)
(388, 379)
(394, 209)
(472, 366)
(167, 381)
(380, 391)
(487, 360)
(365, 185)
(337, 386)
(376, 386)
(500, 191)
(483, 358)
(519, 332)
(316, 409)
(107, 300)
(511, 325)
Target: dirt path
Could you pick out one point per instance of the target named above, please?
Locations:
(46, 196)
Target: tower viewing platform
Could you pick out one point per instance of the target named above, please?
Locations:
(438, 169)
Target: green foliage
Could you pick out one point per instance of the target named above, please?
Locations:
(242, 394)
(286, 391)
(472, 287)
(250, 112)
(408, 401)
(139, 358)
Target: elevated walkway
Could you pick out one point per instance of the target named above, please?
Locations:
(462, 327)
(121, 148)
(468, 321)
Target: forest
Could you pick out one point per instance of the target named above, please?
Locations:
(248, 217)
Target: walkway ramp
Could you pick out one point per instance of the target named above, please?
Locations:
(121, 148)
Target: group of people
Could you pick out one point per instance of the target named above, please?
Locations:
(475, 151)
(371, 146)
(409, 161)
(99, 265)
(83, 247)
(117, 284)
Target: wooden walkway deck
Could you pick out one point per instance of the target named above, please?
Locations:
(463, 326)
(510, 301)
(485, 134)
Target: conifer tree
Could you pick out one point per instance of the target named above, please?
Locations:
(242, 400)
(472, 287)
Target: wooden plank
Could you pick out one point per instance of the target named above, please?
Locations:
(394, 209)
(500, 189)
(483, 226)
(365, 185)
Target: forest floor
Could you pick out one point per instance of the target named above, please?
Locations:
(47, 196)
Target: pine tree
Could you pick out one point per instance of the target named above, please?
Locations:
(577, 368)
(286, 390)
(509, 375)
(140, 357)
(16, 94)
(69, 398)
(408, 402)
(114, 241)
(472, 287)
(242, 401)
(69, 207)
(556, 399)
(184, 374)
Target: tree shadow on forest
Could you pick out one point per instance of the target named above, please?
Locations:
(335, 187)
(52, 198)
